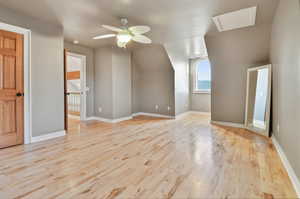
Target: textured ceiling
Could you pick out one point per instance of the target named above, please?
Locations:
(171, 20)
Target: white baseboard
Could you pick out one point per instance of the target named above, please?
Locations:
(146, 114)
(153, 115)
(230, 124)
(182, 115)
(288, 167)
(121, 119)
(101, 119)
(48, 136)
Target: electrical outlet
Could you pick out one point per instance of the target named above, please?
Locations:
(156, 107)
(169, 108)
(100, 109)
(278, 127)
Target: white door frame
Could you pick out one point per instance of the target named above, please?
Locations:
(27, 82)
(84, 89)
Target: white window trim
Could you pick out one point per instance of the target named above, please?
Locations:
(194, 76)
(196, 91)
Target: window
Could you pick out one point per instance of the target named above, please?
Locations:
(202, 83)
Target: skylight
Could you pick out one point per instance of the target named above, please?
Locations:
(237, 19)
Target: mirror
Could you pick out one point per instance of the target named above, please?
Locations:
(258, 99)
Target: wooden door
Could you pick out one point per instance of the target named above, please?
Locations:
(11, 89)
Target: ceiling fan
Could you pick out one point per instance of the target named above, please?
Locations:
(125, 34)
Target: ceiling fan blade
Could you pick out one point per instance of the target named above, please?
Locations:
(112, 28)
(104, 36)
(138, 30)
(141, 39)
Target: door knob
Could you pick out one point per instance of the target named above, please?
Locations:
(19, 94)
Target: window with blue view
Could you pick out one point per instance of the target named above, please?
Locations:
(203, 76)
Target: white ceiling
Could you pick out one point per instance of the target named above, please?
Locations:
(171, 20)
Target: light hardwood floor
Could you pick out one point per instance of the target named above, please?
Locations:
(73, 124)
(146, 158)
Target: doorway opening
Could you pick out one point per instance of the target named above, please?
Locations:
(75, 89)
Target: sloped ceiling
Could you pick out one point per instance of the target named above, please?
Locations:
(171, 20)
(153, 57)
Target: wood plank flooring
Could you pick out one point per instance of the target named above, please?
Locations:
(146, 158)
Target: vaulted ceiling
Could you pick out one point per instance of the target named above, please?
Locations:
(171, 20)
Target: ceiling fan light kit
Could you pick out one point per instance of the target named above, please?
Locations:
(123, 38)
(125, 34)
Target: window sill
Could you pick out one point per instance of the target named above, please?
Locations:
(202, 92)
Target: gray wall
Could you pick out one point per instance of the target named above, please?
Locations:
(285, 57)
(180, 63)
(121, 64)
(198, 101)
(89, 53)
(112, 89)
(230, 54)
(103, 83)
(47, 79)
(153, 80)
(136, 71)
